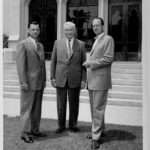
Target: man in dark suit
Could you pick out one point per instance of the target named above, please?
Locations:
(68, 76)
(99, 78)
(32, 77)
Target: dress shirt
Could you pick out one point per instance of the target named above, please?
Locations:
(71, 43)
(33, 41)
(97, 38)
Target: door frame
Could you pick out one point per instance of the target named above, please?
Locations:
(125, 5)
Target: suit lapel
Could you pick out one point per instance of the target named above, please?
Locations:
(64, 46)
(98, 42)
(37, 52)
(74, 48)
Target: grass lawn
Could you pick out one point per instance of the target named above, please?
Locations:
(117, 137)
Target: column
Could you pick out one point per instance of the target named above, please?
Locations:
(59, 10)
(103, 12)
(61, 17)
(11, 26)
(146, 73)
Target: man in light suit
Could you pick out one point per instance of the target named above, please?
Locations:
(99, 78)
(32, 77)
(68, 76)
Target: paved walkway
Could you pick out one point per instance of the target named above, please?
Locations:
(12, 108)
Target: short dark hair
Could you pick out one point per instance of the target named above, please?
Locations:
(33, 22)
(102, 21)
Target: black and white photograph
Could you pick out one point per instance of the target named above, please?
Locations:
(75, 75)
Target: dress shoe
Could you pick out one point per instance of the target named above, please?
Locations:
(74, 129)
(95, 144)
(60, 130)
(38, 134)
(89, 136)
(103, 134)
(27, 138)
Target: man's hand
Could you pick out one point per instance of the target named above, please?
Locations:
(53, 82)
(82, 84)
(24, 87)
(86, 64)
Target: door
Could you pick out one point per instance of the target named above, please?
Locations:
(125, 28)
(45, 13)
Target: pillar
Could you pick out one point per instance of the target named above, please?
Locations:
(61, 17)
(103, 12)
(146, 73)
(11, 27)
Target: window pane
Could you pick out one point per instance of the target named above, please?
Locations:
(90, 23)
(73, 2)
(73, 12)
(93, 11)
(92, 2)
(82, 23)
(82, 14)
(82, 2)
(80, 34)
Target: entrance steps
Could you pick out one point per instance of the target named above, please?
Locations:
(126, 92)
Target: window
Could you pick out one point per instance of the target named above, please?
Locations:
(82, 13)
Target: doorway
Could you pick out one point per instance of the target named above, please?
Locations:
(125, 27)
(45, 13)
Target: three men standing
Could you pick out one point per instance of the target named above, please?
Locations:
(32, 77)
(99, 78)
(68, 76)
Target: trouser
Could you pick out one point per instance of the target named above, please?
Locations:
(98, 100)
(73, 98)
(30, 110)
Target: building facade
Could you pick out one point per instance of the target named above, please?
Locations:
(123, 19)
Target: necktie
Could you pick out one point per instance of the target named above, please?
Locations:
(38, 50)
(69, 48)
(38, 46)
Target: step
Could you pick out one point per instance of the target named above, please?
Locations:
(121, 88)
(126, 88)
(112, 94)
(129, 65)
(114, 76)
(117, 85)
(114, 70)
(127, 82)
(126, 76)
(83, 99)
(127, 71)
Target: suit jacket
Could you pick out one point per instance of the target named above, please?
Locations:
(64, 68)
(31, 64)
(101, 58)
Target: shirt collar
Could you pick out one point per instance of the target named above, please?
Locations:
(32, 39)
(99, 36)
(71, 40)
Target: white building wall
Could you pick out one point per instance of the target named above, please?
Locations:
(146, 73)
(11, 18)
(11, 26)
